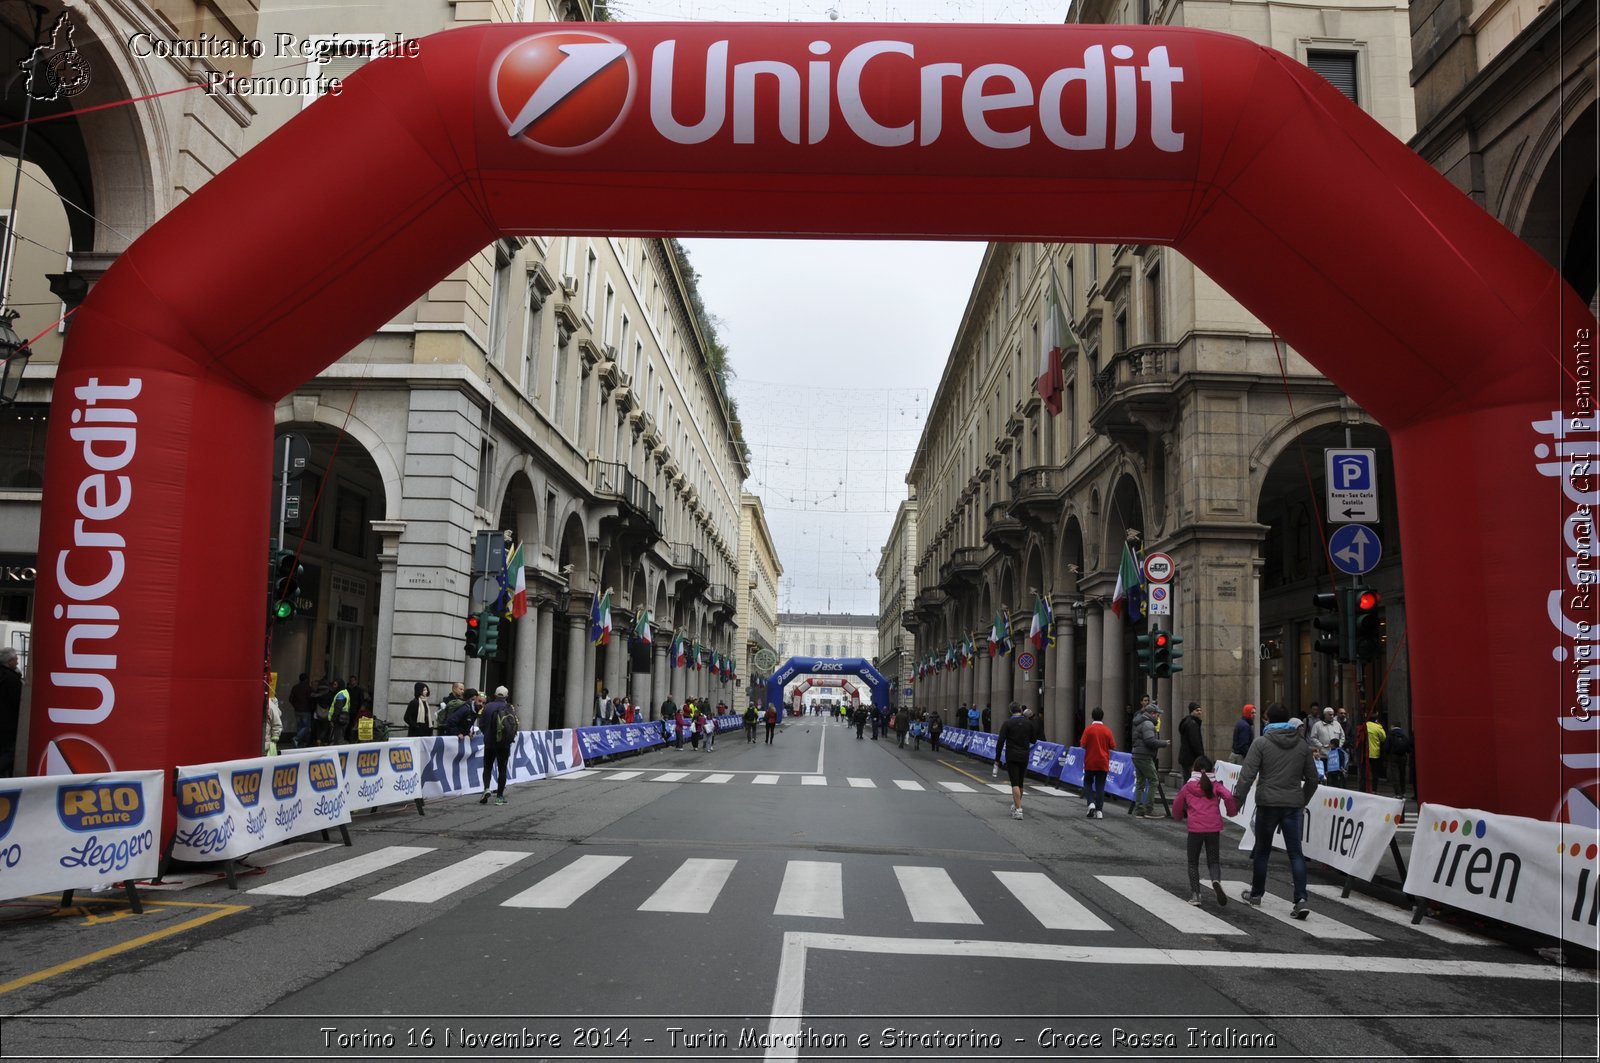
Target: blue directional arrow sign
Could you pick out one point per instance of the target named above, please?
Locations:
(1355, 549)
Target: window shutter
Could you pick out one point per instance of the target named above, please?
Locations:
(1339, 68)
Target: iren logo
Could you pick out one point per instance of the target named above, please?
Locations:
(1475, 862)
(564, 92)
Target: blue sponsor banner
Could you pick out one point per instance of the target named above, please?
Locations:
(1070, 768)
(614, 739)
(1045, 758)
(454, 765)
(1121, 778)
(982, 744)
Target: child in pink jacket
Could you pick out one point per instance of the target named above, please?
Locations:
(1197, 802)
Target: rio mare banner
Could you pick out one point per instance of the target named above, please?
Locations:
(1526, 872)
(381, 774)
(78, 832)
(454, 765)
(228, 810)
(1347, 830)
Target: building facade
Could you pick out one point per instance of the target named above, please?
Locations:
(1185, 428)
(897, 590)
(556, 392)
(827, 635)
(757, 617)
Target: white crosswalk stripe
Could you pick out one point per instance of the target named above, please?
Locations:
(908, 784)
(812, 888)
(1003, 787)
(671, 776)
(343, 871)
(1175, 912)
(957, 787)
(447, 881)
(694, 887)
(932, 897)
(1054, 907)
(1399, 916)
(765, 780)
(719, 777)
(862, 784)
(1316, 924)
(567, 885)
(626, 774)
(813, 780)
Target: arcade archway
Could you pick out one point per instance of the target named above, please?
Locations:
(1429, 313)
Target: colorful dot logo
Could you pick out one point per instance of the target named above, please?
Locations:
(1576, 850)
(564, 92)
(1464, 827)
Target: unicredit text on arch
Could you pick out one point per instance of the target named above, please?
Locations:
(1095, 104)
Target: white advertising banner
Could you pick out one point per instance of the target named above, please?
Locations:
(1346, 830)
(78, 832)
(233, 808)
(382, 773)
(453, 765)
(1527, 872)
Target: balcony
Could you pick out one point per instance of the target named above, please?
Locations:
(1036, 495)
(929, 605)
(1003, 531)
(722, 600)
(1134, 396)
(965, 566)
(691, 567)
(637, 516)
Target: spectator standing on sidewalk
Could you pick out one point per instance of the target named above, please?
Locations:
(1287, 770)
(1191, 739)
(1147, 741)
(1244, 732)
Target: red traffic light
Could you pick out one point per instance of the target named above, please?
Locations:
(1161, 639)
(1367, 601)
(472, 621)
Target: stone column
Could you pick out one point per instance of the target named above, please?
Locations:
(617, 666)
(529, 662)
(382, 695)
(1025, 685)
(578, 710)
(980, 687)
(1113, 687)
(591, 660)
(1063, 689)
(680, 682)
(998, 695)
(639, 688)
(659, 678)
(543, 648)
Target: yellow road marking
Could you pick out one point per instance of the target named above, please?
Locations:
(221, 911)
(963, 771)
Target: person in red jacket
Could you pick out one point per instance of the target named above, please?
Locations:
(1097, 742)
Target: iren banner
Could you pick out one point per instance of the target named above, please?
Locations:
(1346, 830)
(1526, 872)
(78, 832)
(230, 809)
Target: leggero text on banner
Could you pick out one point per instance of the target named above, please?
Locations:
(230, 809)
(1526, 872)
(78, 832)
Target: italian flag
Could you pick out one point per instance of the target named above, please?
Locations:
(1130, 585)
(641, 630)
(1040, 632)
(600, 620)
(519, 585)
(1000, 635)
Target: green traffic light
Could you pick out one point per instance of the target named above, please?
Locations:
(283, 610)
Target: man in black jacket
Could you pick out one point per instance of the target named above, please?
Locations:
(1016, 740)
(1282, 762)
(1191, 741)
(498, 722)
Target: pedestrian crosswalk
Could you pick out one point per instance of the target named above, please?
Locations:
(927, 894)
(854, 782)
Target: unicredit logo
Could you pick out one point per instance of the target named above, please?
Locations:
(564, 92)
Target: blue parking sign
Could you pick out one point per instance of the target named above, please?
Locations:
(1352, 481)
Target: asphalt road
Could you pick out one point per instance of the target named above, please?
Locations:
(822, 897)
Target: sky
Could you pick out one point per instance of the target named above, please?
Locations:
(836, 346)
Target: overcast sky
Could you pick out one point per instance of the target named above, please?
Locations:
(837, 346)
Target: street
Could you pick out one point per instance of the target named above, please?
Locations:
(824, 897)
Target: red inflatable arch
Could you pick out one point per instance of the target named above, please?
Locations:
(1465, 345)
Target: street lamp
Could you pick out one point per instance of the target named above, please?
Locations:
(14, 355)
(1080, 613)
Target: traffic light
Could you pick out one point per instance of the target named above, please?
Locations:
(1167, 654)
(1333, 641)
(287, 586)
(489, 640)
(473, 635)
(1146, 645)
(1364, 603)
